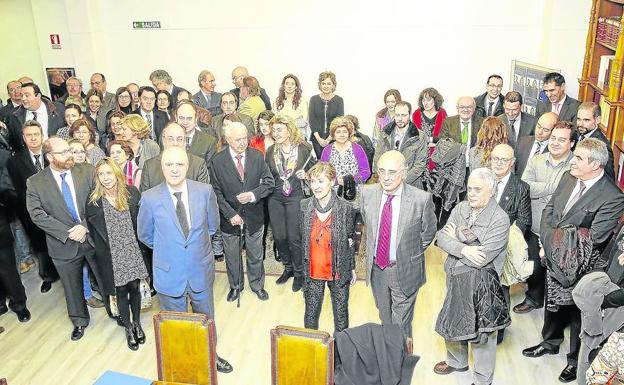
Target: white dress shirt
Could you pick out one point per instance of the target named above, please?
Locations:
(185, 200)
(516, 126)
(543, 146)
(560, 103)
(32, 158)
(501, 187)
(588, 184)
(486, 104)
(42, 118)
(70, 182)
(243, 158)
(396, 209)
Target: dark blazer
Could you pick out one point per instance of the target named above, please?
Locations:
(158, 124)
(227, 184)
(610, 167)
(263, 95)
(305, 156)
(56, 120)
(47, 208)
(516, 202)
(523, 150)
(203, 145)
(97, 229)
(20, 167)
(451, 129)
(215, 102)
(598, 209)
(527, 127)
(216, 126)
(481, 110)
(152, 174)
(567, 112)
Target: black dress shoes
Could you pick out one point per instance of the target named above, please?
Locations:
(133, 344)
(77, 333)
(46, 286)
(286, 275)
(233, 295)
(523, 307)
(297, 284)
(139, 334)
(538, 351)
(223, 366)
(568, 374)
(23, 316)
(262, 295)
(3, 310)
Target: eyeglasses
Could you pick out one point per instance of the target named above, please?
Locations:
(465, 107)
(387, 173)
(179, 139)
(500, 160)
(123, 97)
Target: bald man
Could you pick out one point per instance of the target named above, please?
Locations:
(238, 74)
(176, 219)
(241, 179)
(197, 142)
(400, 225)
(529, 146)
(464, 126)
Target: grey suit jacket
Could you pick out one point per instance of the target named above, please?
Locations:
(215, 102)
(527, 127)
(47, 208)
(417, 227)
(491, 228)
(152, 174)
(109, 101)
(568, 109)
(216, 127)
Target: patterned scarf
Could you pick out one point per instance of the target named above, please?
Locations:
(286, 167)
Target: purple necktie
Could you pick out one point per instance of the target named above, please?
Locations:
(382, 258)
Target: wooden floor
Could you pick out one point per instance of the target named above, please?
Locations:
(40, 351)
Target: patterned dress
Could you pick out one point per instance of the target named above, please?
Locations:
(126, 256)
(345, 163)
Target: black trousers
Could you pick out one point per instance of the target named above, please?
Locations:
(537, 281)
(314, 293)
(284, 218)
(555, 323)
(129, 302)
(47, 271)
(10, 281)
(70, 271)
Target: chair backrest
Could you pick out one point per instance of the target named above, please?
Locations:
(301, 357)
(185, 348)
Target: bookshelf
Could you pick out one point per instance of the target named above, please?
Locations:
(601, 80)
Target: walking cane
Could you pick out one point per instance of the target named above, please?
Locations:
(240, 264)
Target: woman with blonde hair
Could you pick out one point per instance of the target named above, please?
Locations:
(288, 159)
(324, 107)
(112, 220)
(492, 133)
(251, 102)
(135, 130)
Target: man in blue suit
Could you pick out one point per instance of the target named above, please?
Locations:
(176, 220)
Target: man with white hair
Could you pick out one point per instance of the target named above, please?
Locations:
(207, 97)
(241, 179)
(475, 238)
(161, 80)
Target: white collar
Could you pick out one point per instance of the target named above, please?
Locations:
(590, 182)
(183, 189)
(234, 155)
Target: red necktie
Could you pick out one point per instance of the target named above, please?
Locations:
(239, 166)
(382, 258)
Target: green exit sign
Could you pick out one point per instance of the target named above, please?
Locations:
(146, 24)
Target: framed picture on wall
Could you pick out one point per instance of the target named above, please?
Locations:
(57, 77)
(528, 82)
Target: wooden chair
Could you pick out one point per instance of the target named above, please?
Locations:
(185, 348)
(301, 357)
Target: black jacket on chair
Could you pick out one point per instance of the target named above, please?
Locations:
(516, 202)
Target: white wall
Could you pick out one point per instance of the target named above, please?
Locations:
(371, 46)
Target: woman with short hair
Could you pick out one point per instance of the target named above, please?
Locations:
(324, 107)
(136, 131)
(83, 130)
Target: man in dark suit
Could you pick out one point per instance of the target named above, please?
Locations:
(586, 199)
(490, 103)
(176, 220)
(197, 142)
(395, 249)
(238, 74)
(229, 101)
(20, 167)
(463, 128)
(98, 82)
(529, 146)
(558, 102)
(74, 91)
(518, 123)
(49, 115)
(56, 199)
(14, 89)
(157, 120)
(241, 179)
(207, 97)
(161, 80)
(587, 119)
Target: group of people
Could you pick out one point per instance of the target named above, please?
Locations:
(150, 185)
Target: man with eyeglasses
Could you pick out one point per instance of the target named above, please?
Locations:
(512, 195)
(490, 103)
(229, 103)
(543, 173)
(558, 101)
(238, 74)
(156, 120)
(530, 146)
(464, 126)
(20, 167)
(400, 223)
(518, 123)
(74, 93)
(98, 82)
(56, 199)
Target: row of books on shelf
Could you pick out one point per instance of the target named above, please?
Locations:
(605, 109)
(608, 30)
(604, 71)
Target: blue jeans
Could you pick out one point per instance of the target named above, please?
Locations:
(22, 243)
(86, 285)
